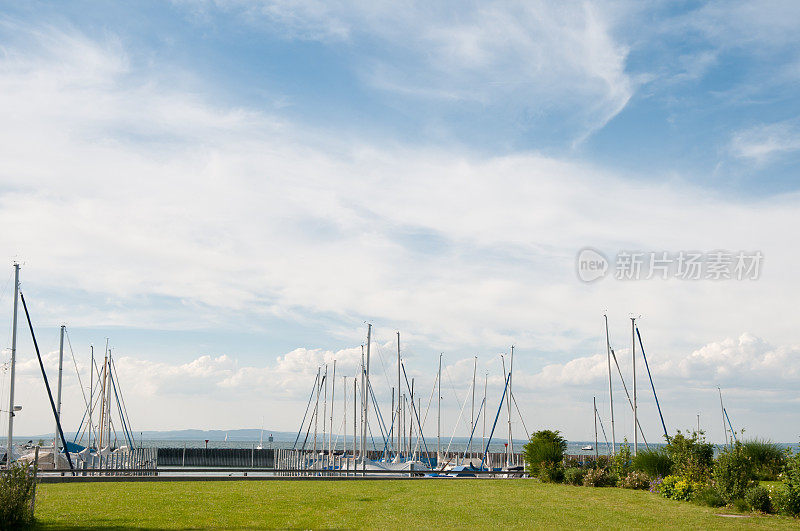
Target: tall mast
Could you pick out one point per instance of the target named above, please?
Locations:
(108, 400)
(333, 394)
(439, 414)
(344, 413)
(365, 395)
(325, 409)
(610, 389)
(361, 433)
(486, 408)
(355, 417)
(596, 451)
(58, 391)
(91, 396)
(103, 402)
(399, 434)
(9, 453)
(635, 409)
(472, 414)
(722, 408)
(510, 435)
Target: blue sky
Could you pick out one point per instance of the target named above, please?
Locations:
(230, 189)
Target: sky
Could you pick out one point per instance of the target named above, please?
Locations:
(230, 190)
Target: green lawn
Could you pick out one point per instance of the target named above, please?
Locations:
(462, 503)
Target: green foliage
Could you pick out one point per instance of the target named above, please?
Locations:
(768, 458)
(787, 498)
(734, 472)
(758, 499)
(708, 496)
(16, 490)
(622, 461)
(654, 463)
(678, 488)
(692, 457)
(545, 448)
(635, 480)
(597, 477)
(574, 475)
(551, 473)
(740, 504)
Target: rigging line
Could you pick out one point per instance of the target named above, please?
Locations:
(608, 446)
(75, 363)
(452, 384)
(126, 421)
(81, 430)
(119, 385)
(47, 385)
(514, 398)
(652, 385)
(379, 350)
(475, 425)
(414, 411)
(613, 355)
(457, 421)
(425, 417)
(306, 413)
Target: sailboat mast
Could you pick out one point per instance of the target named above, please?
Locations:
(325, 410)
(355, 416)
(610, 390)
(333, 394)
(344, 413)
(91, 396)
(722, 408)
(399, 433)
(472, 413)
(485, 405)
(365, 397)
(635, 405)
(9, 453)
(108, 400)
(58, 389)
(439, 414)
(596, 455)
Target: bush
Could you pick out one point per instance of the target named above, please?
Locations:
(692, 457)
(654, 463)
(740, 504)
(551, 473)
(677, 488)
(16, 490)
(708, 496)
(621, 462)
(635, 480)
(734, 473)
(758, 499)
(787, 498)
(597, 477)
(768, 458)
(545, 448)
(574, 475)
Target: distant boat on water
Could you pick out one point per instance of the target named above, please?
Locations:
(587, 448)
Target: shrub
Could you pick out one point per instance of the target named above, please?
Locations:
(546, 447)
(708, 496)
(635, 480)
(597, 477)
(574, 475)
(654, 463)
(551, 473)
(621, 462)
(758, 499)
(788, 496)
(768, 458)
(692, 457)
(733, 473)
(740, 504)
(16, 490)
(677, 488)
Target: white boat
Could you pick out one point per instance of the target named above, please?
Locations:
(588, 448)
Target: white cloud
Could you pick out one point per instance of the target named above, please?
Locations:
(539, 58)
(118, 184)
(764, 143)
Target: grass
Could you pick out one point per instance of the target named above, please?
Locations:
(442, 503)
